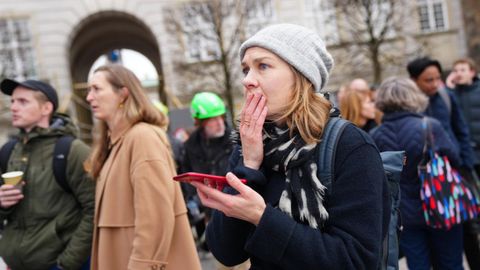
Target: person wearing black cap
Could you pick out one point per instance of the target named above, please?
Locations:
(48, 226)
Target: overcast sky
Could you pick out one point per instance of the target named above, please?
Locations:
(139, 64)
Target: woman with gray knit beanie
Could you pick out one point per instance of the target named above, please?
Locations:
(282, 218)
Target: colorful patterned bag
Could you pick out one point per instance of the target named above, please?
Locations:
(447, 199)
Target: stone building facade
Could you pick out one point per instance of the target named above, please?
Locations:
(58, 41)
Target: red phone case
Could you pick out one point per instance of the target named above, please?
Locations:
(216, 181)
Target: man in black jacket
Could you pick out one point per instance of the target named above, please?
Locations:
(465, 84)
(207, 150)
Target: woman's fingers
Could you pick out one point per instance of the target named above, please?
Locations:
(246, 106)
(251, 131)
(211, 197)
(210, 194)
(260, 114)
(252, 115)
(253, 107)
(248, 205)
(236, 184)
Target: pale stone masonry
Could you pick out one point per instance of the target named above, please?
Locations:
(54, 24)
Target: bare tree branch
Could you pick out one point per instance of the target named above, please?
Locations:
(219, 23)
(368, 26)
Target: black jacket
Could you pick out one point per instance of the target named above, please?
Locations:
(468, 97)
(206, 156)
(352, 237)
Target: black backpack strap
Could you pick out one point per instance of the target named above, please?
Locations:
(5, 153)
(60, 155)
(327, 149)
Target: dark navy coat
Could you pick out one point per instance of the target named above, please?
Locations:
(454, 124)
(403, 131)
(358, 208)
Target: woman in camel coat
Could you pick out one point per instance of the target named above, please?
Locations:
(140, 216)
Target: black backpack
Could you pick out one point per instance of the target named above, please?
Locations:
(393, 162)
(60, 154)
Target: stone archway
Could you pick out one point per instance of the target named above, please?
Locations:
(98, 34)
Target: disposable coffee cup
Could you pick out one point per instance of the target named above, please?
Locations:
(12, 178)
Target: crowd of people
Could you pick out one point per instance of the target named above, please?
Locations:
(115, 205)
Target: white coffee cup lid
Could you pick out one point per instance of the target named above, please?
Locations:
(12, 174)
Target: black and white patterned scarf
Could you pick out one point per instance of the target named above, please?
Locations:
(303, 196)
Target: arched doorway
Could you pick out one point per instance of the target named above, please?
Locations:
(98, 34)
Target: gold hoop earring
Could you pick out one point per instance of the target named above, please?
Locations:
(120, 105)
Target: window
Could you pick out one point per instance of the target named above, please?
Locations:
(432, 15)
(16, 52)
(200, 39)
(259, 14)
(320, 15)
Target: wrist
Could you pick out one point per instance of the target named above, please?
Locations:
(258, 214)
(251, 164)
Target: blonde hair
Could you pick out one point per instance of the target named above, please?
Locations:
(137, 108)
(400, 94)
(351, 105)
(307, 112)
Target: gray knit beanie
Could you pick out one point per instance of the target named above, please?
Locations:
(300, 47)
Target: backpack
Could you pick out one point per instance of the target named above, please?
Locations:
(60, 154)
(393, 162)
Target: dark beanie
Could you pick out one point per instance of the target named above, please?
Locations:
(417, 66)
(7, 86)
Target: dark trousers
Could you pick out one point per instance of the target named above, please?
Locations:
(471, 229)
(85, 266)
(471, 245)
(425, 247)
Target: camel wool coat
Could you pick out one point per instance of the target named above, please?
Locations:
(140, 215)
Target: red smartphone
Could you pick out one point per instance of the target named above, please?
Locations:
(215, 181)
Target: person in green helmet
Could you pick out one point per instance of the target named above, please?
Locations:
(208, 148)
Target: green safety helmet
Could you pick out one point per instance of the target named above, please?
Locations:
(206, 105)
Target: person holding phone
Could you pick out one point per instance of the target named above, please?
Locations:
(140, 217)
(281, 218)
